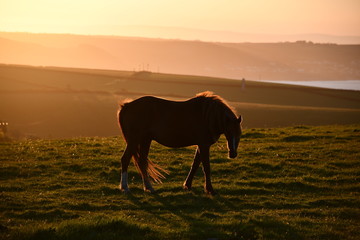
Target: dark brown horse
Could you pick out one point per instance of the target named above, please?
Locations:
(198, 121)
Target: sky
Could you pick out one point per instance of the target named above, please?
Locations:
(334, 17)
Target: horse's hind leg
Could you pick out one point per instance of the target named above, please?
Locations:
(125, 160)
(204, 156)
(143, 164)
(188, 182)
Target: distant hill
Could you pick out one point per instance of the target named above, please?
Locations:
(218, 36)
(266, 61)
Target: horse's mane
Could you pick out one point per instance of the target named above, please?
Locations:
(214, 98)
(215, 111)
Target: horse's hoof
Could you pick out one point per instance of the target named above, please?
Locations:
(151, 190)
(211, 192)
(125, 190)
(186, 187)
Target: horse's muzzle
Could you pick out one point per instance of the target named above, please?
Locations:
(232, 154)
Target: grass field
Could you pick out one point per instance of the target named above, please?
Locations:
(287, 183)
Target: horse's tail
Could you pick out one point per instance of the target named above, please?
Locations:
(152, 169)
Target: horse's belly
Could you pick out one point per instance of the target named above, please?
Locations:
(173, 138)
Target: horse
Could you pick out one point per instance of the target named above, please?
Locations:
(198, 121)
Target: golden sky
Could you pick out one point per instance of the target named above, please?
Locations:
(336, 17)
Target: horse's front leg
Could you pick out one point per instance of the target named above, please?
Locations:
(188, 182)
(205, 159)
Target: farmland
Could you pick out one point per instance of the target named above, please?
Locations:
(52, 102)
(299, 182)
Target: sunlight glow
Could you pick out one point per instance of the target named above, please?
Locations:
(247, 16)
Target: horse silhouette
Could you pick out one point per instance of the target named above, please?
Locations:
(198, 121)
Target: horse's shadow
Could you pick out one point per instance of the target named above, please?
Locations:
(195, 208)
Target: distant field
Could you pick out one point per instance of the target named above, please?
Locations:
(50, 102)
(287, 183)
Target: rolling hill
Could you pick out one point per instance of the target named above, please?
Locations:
(267, 61)
(52, 102)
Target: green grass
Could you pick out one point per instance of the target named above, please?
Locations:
(287, 183)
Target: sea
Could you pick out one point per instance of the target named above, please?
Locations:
(344, 84)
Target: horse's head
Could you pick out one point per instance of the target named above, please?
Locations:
(232, 134)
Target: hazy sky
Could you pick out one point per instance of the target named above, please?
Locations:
(338, 17)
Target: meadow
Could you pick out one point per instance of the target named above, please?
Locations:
(299, 182)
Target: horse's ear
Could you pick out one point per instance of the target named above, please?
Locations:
(239, 119)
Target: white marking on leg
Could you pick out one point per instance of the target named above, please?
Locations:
(124, 182)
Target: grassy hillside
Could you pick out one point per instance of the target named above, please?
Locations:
(61, 102)
(288, 183)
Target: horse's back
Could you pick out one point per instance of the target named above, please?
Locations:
(165, 121)
(143, 107)
(137, 112)
(149, 107)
